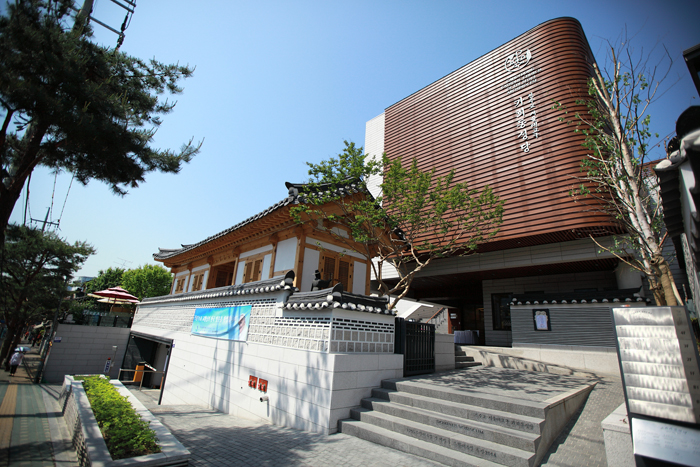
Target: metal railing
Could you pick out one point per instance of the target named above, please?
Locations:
(416, 341)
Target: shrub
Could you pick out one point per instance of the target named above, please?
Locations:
(125, 433)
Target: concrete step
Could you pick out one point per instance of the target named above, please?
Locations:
(480, 430)
(500, 454)
(466, 412)
(511, 405)
(411, 445)
(463, 358)
(461, 366)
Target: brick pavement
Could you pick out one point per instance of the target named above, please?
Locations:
(581, 441)
(32, 433)
(217, 439)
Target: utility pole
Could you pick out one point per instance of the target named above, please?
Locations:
(84, 16)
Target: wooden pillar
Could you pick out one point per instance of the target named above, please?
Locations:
(236, 251)
(368, 268)
(299, 257)
(211, 278)
(273, 241)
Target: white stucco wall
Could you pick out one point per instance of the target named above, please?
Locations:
(267, 261)
(311, 258)
(286, 253)
(360, 278)
(240, 272)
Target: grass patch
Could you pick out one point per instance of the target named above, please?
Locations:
(125, 433)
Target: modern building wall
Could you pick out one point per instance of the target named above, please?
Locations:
(546, 284)
(84, 350)
(374, 147)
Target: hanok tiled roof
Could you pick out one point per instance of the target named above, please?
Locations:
(295, 196)
(607, 296)
(335, 298)
(273, 285)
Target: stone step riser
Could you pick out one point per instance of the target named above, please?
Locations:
(466, 365)
(467, 445)
(442, 456)
(469, 398)
(491, 433)
(463, 359)
(467, 412)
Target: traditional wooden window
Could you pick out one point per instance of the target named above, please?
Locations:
(223, 278)
(336, 268)
(180, 285)
(253, 269)
(197, 281)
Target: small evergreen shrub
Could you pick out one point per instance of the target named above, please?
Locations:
(125, 433)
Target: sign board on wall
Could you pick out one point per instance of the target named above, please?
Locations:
(222, 323)
(541, 320)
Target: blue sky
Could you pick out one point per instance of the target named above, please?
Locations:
(279, 83)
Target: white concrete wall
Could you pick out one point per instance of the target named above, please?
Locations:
(444, 352)
(307, 390)
(85, 350)
(309, 387)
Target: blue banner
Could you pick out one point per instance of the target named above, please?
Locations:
(223, 323)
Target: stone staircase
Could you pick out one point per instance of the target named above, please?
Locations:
(462, 360)
(460, 427)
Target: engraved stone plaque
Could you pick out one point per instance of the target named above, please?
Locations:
(667, 442)
(659, 362)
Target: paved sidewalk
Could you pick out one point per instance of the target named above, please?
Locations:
(217, 439)
(32, 432)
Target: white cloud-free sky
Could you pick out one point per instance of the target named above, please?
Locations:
(279, 83)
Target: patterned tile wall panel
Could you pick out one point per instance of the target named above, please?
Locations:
(351, 335)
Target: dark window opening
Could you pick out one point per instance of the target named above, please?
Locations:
(501, 311)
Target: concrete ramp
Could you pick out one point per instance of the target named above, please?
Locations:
(478, 417)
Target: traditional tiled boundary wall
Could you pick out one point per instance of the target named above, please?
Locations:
(321, 352)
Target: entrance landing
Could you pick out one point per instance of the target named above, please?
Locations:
(511, 383)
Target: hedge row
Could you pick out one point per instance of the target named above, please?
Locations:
(125, 433)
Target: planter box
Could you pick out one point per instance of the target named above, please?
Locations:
(89, 443)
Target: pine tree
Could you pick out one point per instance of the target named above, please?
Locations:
(37, 268)
(69, 104)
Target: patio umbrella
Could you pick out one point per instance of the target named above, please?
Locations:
(115, 295)
(118, 301)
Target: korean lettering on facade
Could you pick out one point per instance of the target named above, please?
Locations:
(526, 115)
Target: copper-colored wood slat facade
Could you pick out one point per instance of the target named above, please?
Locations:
(466, 121)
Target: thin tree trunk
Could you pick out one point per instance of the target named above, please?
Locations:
(667, 285)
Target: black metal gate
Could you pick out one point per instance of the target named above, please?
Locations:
(416, 341)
